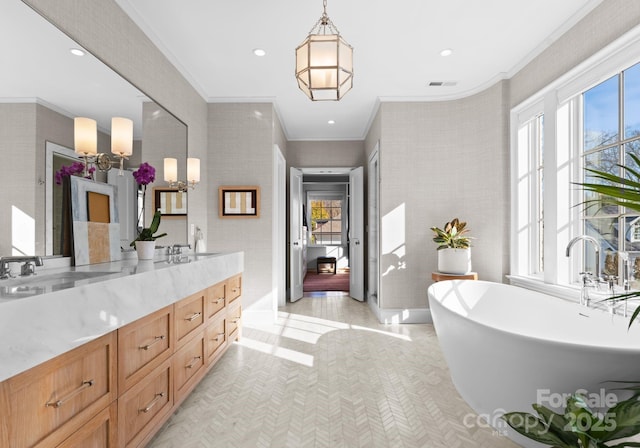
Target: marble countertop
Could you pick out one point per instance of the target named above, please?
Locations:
(70, 308)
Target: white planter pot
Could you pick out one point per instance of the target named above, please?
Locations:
(145, 249)
(454, 261)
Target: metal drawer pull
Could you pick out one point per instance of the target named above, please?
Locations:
(220, 335)
(235, 289)
(155, 341)
(193, 362)
(235, 321)
(153, 402)
(219, 299)
(60, 402)
(193, 317)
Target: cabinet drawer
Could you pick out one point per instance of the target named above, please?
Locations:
(143, 345)
(189, 316)
(215, 338)
(99, 432)
(215, 299)
(188, 362)
(51, 401)
(234, 315)
(145, 405)
(234, 288)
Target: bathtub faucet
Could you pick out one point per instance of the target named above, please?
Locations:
(589, 280)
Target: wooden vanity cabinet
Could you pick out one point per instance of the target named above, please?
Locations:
(234, 288)
(118, 390)
(145, 407)
(100, 431)
(216, 299)
(189, 316)
(45, 405)
(143, 345)
(234, 315)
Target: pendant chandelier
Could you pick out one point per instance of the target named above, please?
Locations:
(324, 62)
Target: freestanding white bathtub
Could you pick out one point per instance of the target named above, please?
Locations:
(508, 347)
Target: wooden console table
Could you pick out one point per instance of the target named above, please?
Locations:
(439, 276)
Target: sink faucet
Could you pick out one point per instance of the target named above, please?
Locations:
(588, 279)
(26, 269)
(176, 249)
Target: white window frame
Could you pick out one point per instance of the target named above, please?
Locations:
(560, 102)
(314, 195)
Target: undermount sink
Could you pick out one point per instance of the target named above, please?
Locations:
(20, 287)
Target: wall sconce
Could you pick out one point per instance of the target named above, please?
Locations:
(85, 132)
(171, 173)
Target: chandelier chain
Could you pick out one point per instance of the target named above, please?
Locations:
(323, 23)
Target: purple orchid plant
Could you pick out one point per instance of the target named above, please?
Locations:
(144, 175)
(75, 169)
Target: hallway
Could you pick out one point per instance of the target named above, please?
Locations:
(328, 375)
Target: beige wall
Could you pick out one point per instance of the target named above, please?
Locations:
(441, 160)
(610, 20)
(307, 154)
(241, 136)
(17, 143)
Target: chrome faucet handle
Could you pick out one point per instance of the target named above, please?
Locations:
(28, 268)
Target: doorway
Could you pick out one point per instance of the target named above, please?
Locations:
(326, 231)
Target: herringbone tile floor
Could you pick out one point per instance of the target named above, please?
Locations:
(328, 375)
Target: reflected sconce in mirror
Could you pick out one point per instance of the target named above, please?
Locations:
(171, 173)
(85, 132)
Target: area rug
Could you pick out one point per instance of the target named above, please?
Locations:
(325, 282)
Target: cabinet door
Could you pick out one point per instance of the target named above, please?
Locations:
(189, 316)
(144, 407)
(234, 288)
(99, 432)
(48, 403)
(143, 345)
(234, 315)
(215, 299)
(215, 338)
(188, 364)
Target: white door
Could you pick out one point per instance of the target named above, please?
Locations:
(372, 224)
(296, 233)
(356, 234)
(279, 267)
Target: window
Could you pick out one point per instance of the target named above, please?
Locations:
(530, 185)
(611, 130)
(326, 219)
(587, 118)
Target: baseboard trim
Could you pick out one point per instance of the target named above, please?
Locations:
(401, 316)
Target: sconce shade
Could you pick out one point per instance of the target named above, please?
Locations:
(324, 67)
(121, 136)
(85, 135)
(193, 170)
(170, 169)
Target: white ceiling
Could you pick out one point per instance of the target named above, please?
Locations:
(396, 44)
(39, 67)
(396, 54)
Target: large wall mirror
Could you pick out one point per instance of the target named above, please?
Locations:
(43, 86)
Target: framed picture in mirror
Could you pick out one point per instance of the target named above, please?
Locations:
(239, 202)
(170, 201)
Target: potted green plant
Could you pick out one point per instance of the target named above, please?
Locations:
(145, 241)
(621, 190)
(454, 247)
(578, 426)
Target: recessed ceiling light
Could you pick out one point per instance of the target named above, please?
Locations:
(77, 52)
(331, 122)
(446, 52)
(259, 52)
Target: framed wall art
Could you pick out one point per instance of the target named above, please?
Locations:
(239, 202)
(170, 201)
